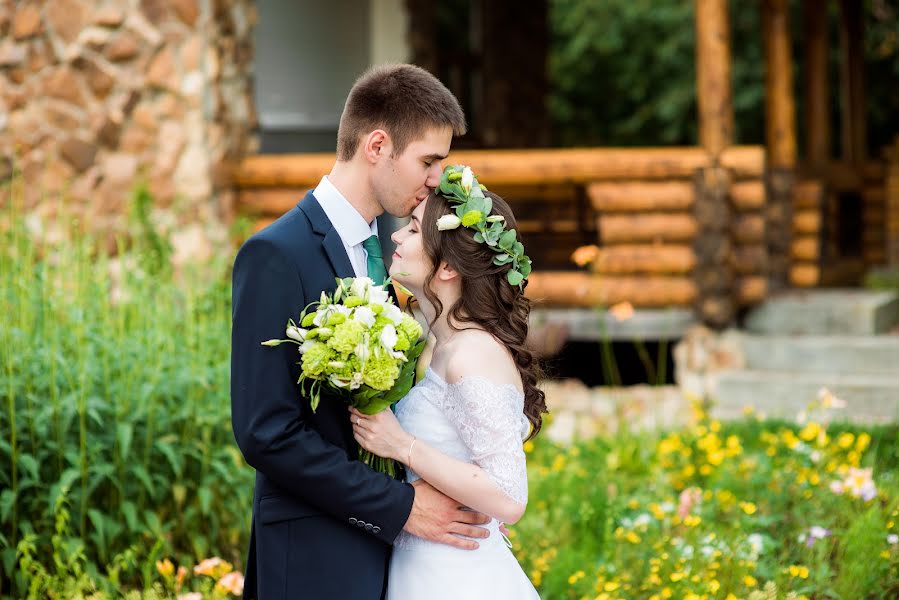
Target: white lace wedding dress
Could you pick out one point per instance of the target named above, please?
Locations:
(481, 422)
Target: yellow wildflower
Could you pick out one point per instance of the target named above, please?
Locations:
(748, 507)
(165, 567)
(750, 581)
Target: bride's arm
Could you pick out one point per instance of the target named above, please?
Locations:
(467, 483)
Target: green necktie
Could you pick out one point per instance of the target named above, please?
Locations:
(376, 270)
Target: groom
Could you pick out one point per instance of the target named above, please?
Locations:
(323, 522)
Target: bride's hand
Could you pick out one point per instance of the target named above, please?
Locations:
(380, 434)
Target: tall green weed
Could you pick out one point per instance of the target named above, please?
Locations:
(114, 385)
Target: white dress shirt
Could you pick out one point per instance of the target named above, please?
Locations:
(350, 225)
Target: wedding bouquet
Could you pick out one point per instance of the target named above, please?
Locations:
(358, 344)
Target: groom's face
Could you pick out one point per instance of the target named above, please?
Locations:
(405, 181)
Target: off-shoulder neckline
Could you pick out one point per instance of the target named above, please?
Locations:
(442, 381)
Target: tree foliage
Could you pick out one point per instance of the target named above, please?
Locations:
(622, 72)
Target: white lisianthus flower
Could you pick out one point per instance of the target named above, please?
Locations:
(448, 222)
(323, 313)
(378, 295)
(495, 218)
(305, 346)
(393, 312)
(364, 315)
(295, 333)
(362, 351)
(361, 286)
(356, 381)
(388, 337)
(467, 179)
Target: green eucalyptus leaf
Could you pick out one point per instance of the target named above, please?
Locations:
(507, 240)
(515, 277)
(479, 237)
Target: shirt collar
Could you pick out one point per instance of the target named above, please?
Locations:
(350, 225)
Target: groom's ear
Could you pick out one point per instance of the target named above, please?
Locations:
(377, 144)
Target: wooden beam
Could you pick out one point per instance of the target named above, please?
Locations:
(525, 167)
(656, 259)
(747, 195)
(817, 84)
(806, 248)
(780, 105)
(852, 83)
(641, 196)
(653, 227)
(713, 72)
(572, 288)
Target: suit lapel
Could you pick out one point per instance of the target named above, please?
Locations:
(336, 252)
(332, 244)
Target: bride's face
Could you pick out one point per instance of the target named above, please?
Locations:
(411, 265)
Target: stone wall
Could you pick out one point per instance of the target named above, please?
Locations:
(97, 95)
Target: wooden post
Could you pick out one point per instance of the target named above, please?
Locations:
(713, 275)
(891, 185)
(713, 91)
(852, 84)
(817, 84)
(780, 130)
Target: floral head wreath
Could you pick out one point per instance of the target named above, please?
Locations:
(460, 187)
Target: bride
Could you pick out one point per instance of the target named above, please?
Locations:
(461, 427)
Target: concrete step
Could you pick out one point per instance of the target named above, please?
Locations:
(826, 312)
(822, 354)
(784, 394)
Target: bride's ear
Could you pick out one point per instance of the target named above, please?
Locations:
(447, 273)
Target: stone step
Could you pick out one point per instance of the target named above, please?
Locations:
(822, 354)
(826, 312)
(784, 394)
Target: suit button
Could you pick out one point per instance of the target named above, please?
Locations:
(353, 520)
(360, 524)
(376, 529)
(368, 527)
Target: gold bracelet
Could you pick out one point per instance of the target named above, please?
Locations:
(409, 458)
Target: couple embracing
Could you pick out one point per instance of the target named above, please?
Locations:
(325, 525)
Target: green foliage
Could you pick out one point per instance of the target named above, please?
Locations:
(622, 72)
(115, 395)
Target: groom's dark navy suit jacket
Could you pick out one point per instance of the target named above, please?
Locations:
(323, 522)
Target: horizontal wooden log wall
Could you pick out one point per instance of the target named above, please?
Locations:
(643, 197)
(805, 251)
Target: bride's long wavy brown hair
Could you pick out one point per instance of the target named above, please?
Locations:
(487, 299)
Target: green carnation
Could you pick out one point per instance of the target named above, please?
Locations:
(315, 359)
(402, 342)
(471, 218)
(380, 371)
(380, 323)
(410, 328)
(346, 336)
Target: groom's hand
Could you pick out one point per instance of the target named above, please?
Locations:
(439, 518)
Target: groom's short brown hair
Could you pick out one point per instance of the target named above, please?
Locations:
(403, 100)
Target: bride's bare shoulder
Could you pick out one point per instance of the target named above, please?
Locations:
(476, 353)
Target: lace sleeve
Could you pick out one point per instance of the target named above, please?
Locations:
(490, 420)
